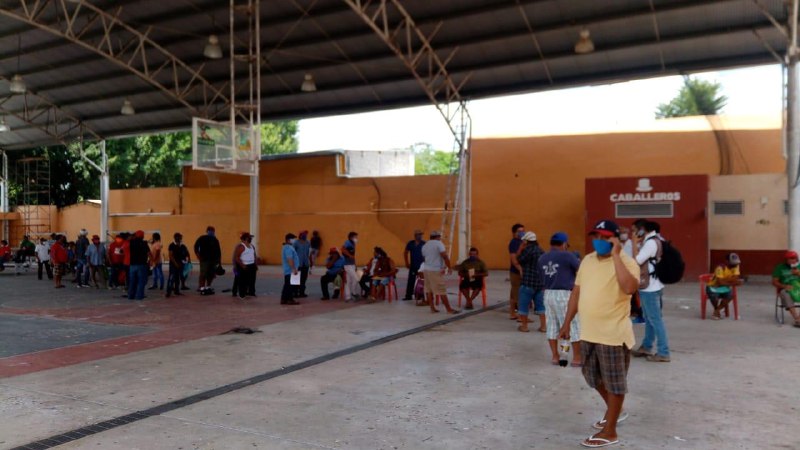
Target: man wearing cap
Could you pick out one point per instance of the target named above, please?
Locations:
(719, 289)
(208, 252)
(140, 261)
(437, 263)
(303, 249)
(334, 265)
(786, 278)
(650, 293)
(603, 285)
(413, 258)
(289, 259)
(515, 270)
(530, 291)
(558, 268)
(244, 259)
(96, 257)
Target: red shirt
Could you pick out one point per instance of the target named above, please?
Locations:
(5, 251)
(126, 249)
(58, 254)
(115, 252)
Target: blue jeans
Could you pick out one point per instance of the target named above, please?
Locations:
(654, 329)
(526, 294)
(137, 281)
(158, 276)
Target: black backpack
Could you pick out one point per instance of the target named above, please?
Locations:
(670, 266)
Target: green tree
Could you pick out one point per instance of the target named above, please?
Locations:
(428, 161)
(279, 137)
(695, 98)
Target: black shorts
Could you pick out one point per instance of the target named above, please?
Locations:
(471, 284)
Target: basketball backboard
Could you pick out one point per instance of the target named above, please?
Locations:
(216, 148)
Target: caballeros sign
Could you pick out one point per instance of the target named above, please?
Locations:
(644, 194)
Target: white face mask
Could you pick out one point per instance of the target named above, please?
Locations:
(793, 265)
(623, 237)
(355, 240)
(292, 241)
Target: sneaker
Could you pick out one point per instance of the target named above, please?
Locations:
(640, 353)
(658, 358)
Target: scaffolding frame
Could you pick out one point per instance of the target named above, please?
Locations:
(32, 175)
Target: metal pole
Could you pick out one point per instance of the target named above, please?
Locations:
(255, 98)
(793, 131)
(4, 193)
(104, 190)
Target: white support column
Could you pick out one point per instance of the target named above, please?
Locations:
(104, 189)
(793, 132)
(464, 177)
(254, 206)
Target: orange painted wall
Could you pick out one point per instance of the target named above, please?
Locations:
(539, 181)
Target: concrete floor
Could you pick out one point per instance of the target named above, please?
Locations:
(474, 383)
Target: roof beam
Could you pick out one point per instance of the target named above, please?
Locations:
(125, 47)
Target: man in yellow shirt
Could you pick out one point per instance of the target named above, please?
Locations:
(719, 290)
(605, 281)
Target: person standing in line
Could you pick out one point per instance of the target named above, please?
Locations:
(303, 249)
(603, 285)
(140, 261)
(209, 254)
(413, 259)
(289, 259)
(244, 258)
(81, 267)
(178, 256)
(651, 291)
(531, 291)
(156, 262)
(351, 286)
(116, 260)
(316, 247)
(437, 265)
(96, 258)
(59, 258)
(515, 270)
(43, 258)
(558, 268)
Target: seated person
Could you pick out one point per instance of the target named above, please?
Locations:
(786, 278)
(26, 248)
(383, 273)
(5, 254)
(335, 266)
(365, 282)
(719, 290)
(472, 271)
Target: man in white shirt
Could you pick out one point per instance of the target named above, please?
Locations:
(43, 258)
(650, 292)
(436, 265)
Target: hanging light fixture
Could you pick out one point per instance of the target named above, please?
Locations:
(3, 127)
(17, 85)
(584, 44)
(127, 108)
(213, 49)
(308, 84)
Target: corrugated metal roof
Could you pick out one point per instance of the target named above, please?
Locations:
(502, 47)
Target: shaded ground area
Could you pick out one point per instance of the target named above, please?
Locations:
(472, 384)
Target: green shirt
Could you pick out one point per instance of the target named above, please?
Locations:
(785, 275)
(478, 265)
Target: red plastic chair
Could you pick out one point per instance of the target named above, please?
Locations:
(704, 279)
(483, 291)
(390, 288)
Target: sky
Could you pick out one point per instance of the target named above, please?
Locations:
(750, 91)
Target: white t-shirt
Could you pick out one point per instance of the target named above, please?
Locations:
(248, 256)
(43, 252)
(432, 252)
(647, 253)
(627, 247)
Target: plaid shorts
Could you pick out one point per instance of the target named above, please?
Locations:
(606, 365)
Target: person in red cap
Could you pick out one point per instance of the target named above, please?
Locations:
(140, 261)
(719, 289)
(603, 285)
(335, 266)
(786, 278)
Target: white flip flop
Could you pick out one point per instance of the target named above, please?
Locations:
(602, 422)
(603, 442)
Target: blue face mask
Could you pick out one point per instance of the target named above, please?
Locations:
(520, 234)
(602, 247)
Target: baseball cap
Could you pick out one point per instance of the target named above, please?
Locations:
(417, 231)
(790, 254)
(333, 250)
(436, 233)
(606, 228)
(139, 234)
(245, 235)
(560, 237)
(95, 237)
(530, 236)
(733, 258)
